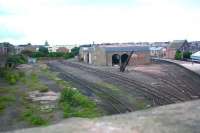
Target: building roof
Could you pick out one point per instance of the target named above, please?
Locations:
(6, 44)
(125, 48)
(177, 44)
(156, 48)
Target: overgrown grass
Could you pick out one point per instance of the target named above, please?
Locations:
(33, 118)
(33, 83)
(74, 104)
(11, 75)
(5, 101)
(137, 102)
(31, 112)
(110, 86)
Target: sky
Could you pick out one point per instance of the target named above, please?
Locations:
(84, 21)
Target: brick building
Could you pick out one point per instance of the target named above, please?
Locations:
(6, 49)
(110, 55)
(62, 49)
(181, 45)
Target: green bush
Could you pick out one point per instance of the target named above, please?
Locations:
(178, 55)
(186, 55)
(75, 51)
(10, 75)
(38, 54)
(43, 89)
(56, 54)
(12, 81)
(73, 103)
(14, 60)
(43, 50)
(33, 118)
(5, 101)
(44, 53)
(68, 55)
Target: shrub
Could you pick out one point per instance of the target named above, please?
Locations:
(33, 118)
(5, 101)
(75, 51)
(73, 103)
(68, 55)
(186, 55)
(56, 54)
(43, 50)
(14, 60)
(178, 55)
(12, 81)
(38, 54)
(43, 89)
(10, 75)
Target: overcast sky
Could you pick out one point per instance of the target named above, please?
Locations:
(84, 21)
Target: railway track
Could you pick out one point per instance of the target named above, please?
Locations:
(177, 85)
(113, 102)
(157, 95)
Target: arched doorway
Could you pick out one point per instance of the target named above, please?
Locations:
(124, 58)
(115, 59)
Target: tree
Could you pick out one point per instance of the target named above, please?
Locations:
(14, 60)
(75, 51)
(43, 50)
(178, 55)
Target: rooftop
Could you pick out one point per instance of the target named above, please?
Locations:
(128, 48)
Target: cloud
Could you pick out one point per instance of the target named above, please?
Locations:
(62, 22)
(7, 33)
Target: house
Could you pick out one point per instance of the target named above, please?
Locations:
(62, 49)
(196, 56)
(181, 45)
(6, 49)
(28, 47)
(85, 53)
(157, 52)
(111, 55)
(194, 46)
(59, 48)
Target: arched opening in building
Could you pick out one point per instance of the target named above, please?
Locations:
(115, 59)
(124, 58)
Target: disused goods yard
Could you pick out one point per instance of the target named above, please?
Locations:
(138, 88)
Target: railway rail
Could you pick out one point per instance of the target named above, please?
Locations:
(152, 92)
(167, 91)
(112, 102)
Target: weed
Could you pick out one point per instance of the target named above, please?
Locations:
(5, 101)
(43, 89)
(11, 75)
(73, 103)
(33, 118)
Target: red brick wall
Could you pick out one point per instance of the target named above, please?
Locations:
(140, 59)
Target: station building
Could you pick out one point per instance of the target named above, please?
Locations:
(111, 55)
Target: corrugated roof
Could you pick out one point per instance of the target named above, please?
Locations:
(126, 48)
